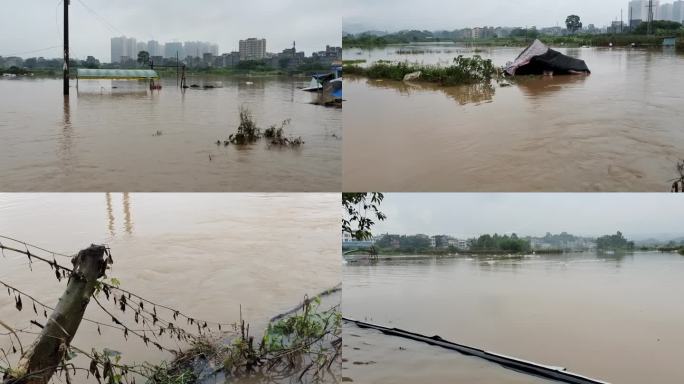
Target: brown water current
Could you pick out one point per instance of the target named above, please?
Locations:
(120, 136)
(213, 256)
(618, 129)
(374, 358)
(613, 318)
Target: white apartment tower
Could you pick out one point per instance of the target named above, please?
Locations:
(252, 49)
(123, 47)
(678, 11)
(638, 9)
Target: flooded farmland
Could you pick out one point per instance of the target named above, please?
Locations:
(120, 136)
(214, 256)
(611, 317)
(615, 130)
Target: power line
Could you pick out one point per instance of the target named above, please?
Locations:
(100, 18)
(68, 271)
(33, 51)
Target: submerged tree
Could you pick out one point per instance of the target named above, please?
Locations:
(247, 131)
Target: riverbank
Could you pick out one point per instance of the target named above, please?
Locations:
(617, 40)
(352, 258)
(463, 71)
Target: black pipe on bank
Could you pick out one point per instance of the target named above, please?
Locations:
(547, 372)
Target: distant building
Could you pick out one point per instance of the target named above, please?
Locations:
(252, 49)
(476, 33)
(552, 31)
(141, 46)
(638, 9)
(230, 59)
(678, 11)
(154, 48)
(171, 49)
(122, 48)
(665, 12)
(208, 59)
(199, 48)
(617, 27)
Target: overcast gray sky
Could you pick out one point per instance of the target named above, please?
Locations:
(636, 215)
(392, 15)
(35, 24)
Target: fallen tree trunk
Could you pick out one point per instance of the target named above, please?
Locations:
(41, 360)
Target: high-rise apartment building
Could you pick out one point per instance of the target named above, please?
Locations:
(170, 50)
(154, 48)
(123, 48)
(638, 10)
(199, 48)
(678, 11)
(252, 49)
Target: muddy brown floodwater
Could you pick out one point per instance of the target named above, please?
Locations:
(616, 130)
(613, 318)
(106, 139)
(373, 358)
(209, 255)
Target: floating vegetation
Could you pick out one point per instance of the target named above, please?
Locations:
(304, 345)
(464, 70)
(306, 342)
(248, 133)
(277, 135)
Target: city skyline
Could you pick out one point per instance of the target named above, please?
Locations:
(469, 215)
(364, 15)
(37, 30)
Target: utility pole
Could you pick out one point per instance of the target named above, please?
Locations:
(66, 47)
(622, 22)
(650, 17)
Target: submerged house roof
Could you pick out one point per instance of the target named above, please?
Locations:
(121, 74)
(538, 58)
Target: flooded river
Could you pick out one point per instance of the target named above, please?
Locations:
(374, 358)
(210, 255)
(616, 130)
(615, 318)
(128, 138)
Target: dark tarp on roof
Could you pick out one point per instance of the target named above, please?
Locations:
(538, 58)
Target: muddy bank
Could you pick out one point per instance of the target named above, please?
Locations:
(309, 352)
